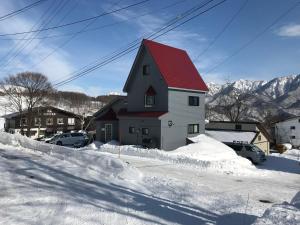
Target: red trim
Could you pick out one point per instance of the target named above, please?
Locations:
(175, 66)
(123, 112)
(150, 91)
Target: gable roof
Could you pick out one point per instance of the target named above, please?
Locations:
(109, 105)
(175, 66)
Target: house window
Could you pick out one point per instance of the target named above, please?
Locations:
(145, 131)
(193, 101)
(71, 121)
(299, 120)
(60, 120)
(146, 69)
(193, 128)
(49, 121)
(131, 130)
(149, 100)
(293, 127)
(238, 126)
(293, 137)
(259, 137)
(37, 121)
(23, 122)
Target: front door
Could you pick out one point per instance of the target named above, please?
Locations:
(108, 132)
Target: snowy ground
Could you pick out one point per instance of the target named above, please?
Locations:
(46, 184)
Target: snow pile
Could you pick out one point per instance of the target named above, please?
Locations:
(95, 161)
(282, 214)
(207, 154)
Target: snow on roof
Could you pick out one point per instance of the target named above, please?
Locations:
(230, 136)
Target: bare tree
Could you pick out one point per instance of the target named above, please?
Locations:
(25, 91)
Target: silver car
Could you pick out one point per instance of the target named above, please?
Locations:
(249, 151)
(69, 139)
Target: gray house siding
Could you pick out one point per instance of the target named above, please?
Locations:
(180, 115)
(100, 124)
(231, 126)
(100, 130)
(153, 125)
(140, 83)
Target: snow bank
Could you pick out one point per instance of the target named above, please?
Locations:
(106, 165)
(207, 154)
(282, 214)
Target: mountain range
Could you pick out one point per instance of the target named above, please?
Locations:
(278, 97)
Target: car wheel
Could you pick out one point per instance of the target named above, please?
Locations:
(59, 143)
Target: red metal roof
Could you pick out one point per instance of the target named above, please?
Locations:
(124, 112)
(175, 66)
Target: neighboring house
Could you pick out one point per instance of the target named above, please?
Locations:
(247, 132)
(288, 131)
(165, 101)
(46, 120)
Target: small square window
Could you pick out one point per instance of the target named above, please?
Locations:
(293, 137)
(299, 120)
(193, 101)
(49, 121)
(149, 100)
(37, 121)
(193, 128)
(259, 137)
(60, 120)
(71, 121)
(145, 131)
(293, 127)
(238, 126)
(131, 130)
(146, 69)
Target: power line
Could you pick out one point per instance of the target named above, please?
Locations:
(130, 49)
(47, 21)
(14, 13)
(76, 22)
(79, 32)
(98, 27)
(136, 42)
(222, 30)
(255, 37)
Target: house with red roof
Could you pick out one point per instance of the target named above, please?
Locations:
(164, 103)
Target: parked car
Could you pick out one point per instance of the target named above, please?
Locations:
(249, 151)
(70, 139)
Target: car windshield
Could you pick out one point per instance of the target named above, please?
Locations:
(256, 149)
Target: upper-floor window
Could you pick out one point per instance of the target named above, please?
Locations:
(71, 121)
(131, 130)
(145, 131)
(23, 122)
(150, 97)
(238, 126)
(193, 128)
(193, 100)
(37, 121)
(49, 121)
(259, 137)
(293, 137)
(293, 127)
(299, 120)
(60, 121)
(146, 69)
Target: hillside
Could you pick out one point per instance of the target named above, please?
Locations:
(277, 97)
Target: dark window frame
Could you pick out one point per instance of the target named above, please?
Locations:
(193, 131)
(145, 129)
(292, 127)
(146, 70)
(194, 101)
(292, 137)
(131, 130)
(146, 102)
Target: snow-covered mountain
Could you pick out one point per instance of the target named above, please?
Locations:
(279, 96)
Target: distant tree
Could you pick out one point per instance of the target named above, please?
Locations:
(25, 91)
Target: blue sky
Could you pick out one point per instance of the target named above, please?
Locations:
(276, 53)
